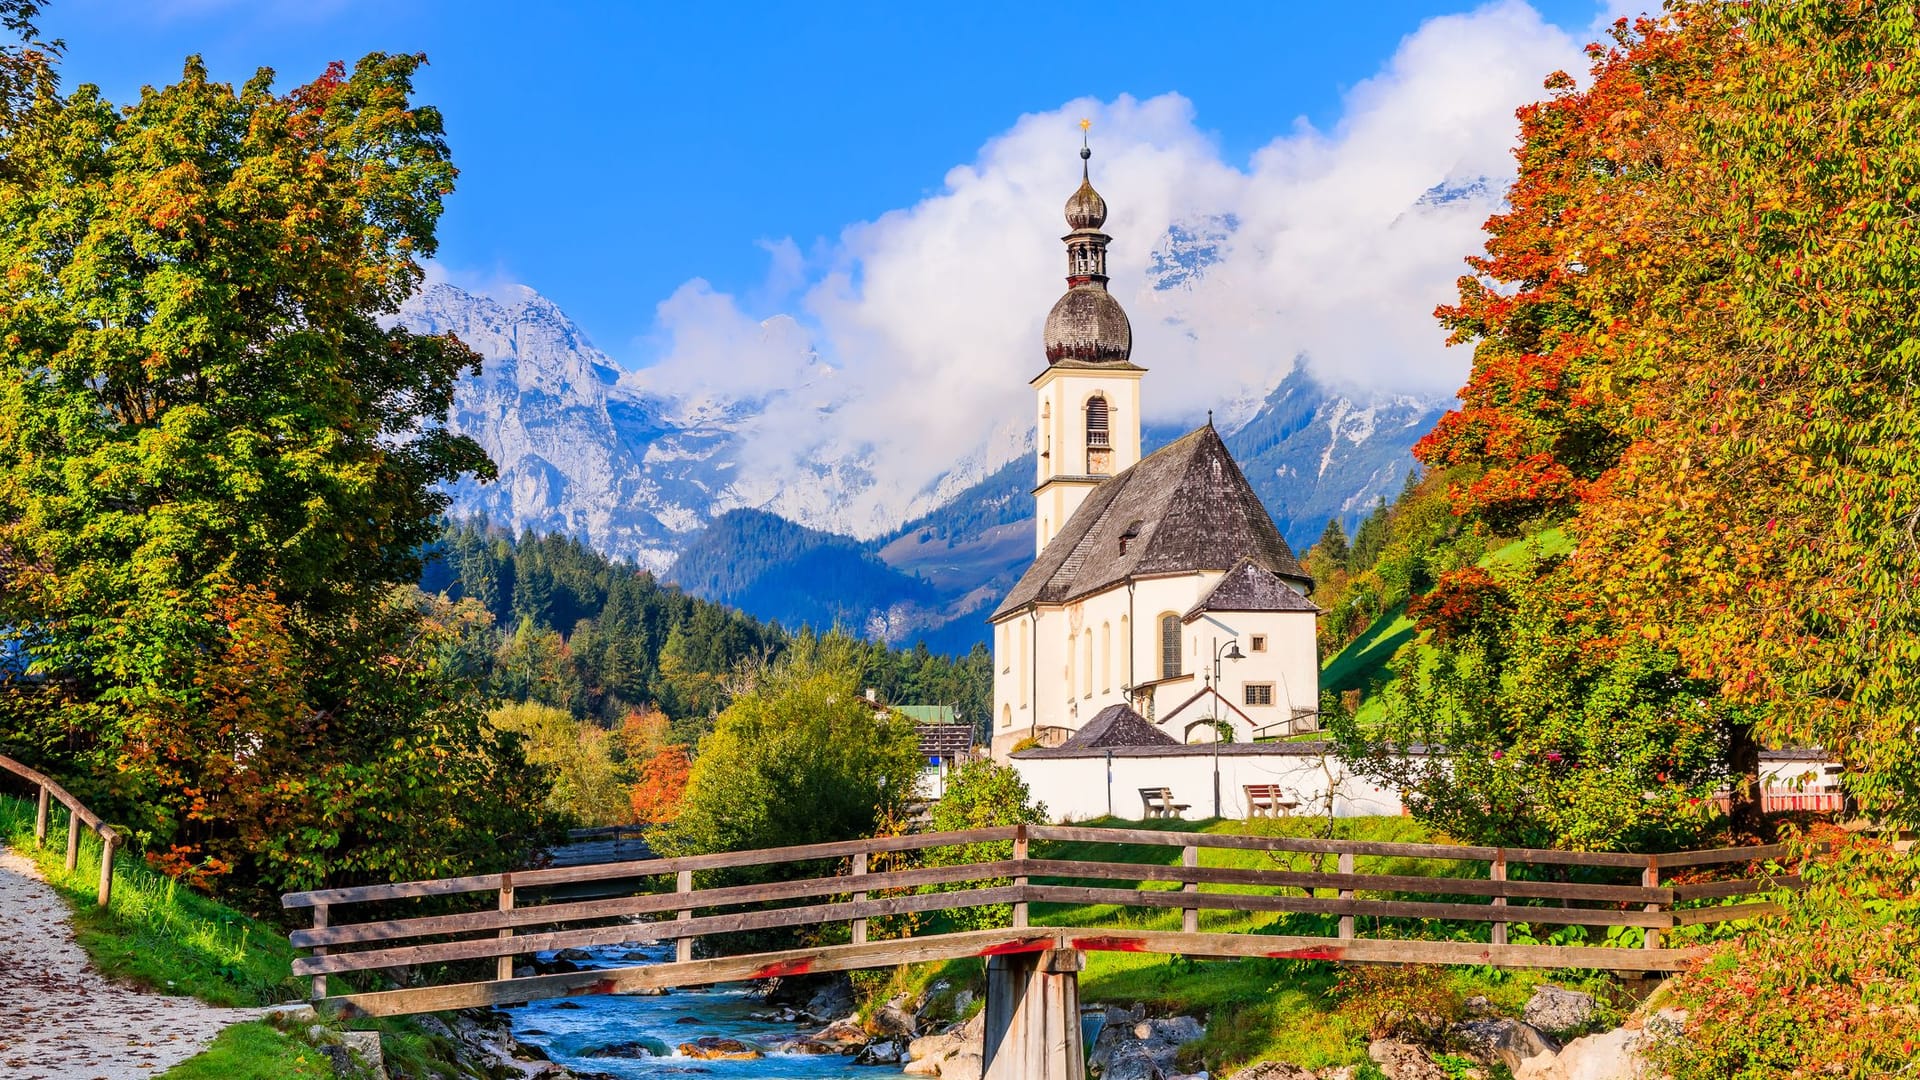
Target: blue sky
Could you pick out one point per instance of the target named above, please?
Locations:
(612, 152)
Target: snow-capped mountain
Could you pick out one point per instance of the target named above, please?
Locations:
(641, 469)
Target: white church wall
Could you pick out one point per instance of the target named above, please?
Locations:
(1079, 788)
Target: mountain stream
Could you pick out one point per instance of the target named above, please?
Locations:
(633, 1036)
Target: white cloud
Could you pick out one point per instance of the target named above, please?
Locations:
(927, 320)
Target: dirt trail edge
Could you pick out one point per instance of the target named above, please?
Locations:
(60, 1019)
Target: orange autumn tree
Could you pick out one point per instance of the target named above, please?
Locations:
(1569, 728)
(662, 785)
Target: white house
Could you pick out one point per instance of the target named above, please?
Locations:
(1160, 583)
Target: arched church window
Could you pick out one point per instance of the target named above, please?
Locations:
(1086, 658)
(1169, 645)
(1022, 672)
(1106, 657)
(1097, 430)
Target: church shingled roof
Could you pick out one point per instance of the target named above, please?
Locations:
(1250, 587)
(1191, 509)
(1118, 725)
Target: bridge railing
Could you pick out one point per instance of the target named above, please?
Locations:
(658, 900)
(77, 815)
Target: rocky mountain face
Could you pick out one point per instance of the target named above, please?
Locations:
(589, 450)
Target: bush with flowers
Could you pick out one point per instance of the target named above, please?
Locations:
(1829, 988)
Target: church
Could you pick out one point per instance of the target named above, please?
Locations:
(1162, 605)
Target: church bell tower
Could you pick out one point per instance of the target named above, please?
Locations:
(1088, 423)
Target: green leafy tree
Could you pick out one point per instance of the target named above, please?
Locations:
(801, 757)
(589, 786)
(208, 428)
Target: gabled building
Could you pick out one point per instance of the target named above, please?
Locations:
(1156, 578)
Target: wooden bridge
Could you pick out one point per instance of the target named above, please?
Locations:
(846, 891)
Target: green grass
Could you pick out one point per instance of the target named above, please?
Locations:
(257, 1051)
(1366, 664)
(157, 934)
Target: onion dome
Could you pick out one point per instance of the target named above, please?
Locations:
(1086, 209)
(1087, 325)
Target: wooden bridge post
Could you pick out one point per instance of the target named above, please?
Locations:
(73, 840)
(503, 967)
(1033, 1016)
(1650, 878)
(319, 923)
(683, 948)
(40, 819)
(1497, 871)
(860, 925)
(1020, 880)
(1346, 921)
(1190, 916)
(109, 840)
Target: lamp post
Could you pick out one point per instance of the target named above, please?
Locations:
(1232, 652)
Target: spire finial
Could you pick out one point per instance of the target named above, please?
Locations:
(1085, 150)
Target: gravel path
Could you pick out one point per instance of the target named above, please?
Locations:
(60, 1019)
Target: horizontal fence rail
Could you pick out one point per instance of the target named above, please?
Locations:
(876, 887)
(77, 815)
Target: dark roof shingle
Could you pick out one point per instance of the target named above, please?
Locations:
(1250, 587)
(1189, 508)
(1118, 725)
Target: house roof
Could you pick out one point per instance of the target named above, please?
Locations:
(1250, 587)
(1183, 508)
(1117, 725)
(949, 742)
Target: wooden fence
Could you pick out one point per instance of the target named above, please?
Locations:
(852, 884)
(77, 815)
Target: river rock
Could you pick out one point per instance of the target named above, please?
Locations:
(1504, 1041)
(844, 1036)
(715, 1048)
(957, 1053)
(1133, 1047)
(1404, 1061)
(833, 1000)
(1609, 1055)
(575, 955)
(1559, 1011)
(633, 1048)
(881, 1052)
(894, 1020)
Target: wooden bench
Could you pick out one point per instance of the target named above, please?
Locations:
(1267, 800)
(1159, 803)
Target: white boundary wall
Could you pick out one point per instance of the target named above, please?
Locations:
(1079, 788)
(1095, 784)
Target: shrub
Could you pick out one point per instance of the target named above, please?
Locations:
(980, 795)
(1414, 1003)
(1831, 988)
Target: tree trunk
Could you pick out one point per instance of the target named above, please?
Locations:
(1743, 763)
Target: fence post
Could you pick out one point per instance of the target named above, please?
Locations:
(1190, 916)
(1346, 921)
(1497, 871)
(1020, 880)
(109, 840)
(319, 923)
(860, 925)
(683, 949)
(73, 840)
(503, 967)
(40, 819)
(1651, 879)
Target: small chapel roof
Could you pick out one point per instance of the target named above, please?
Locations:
(1182, 508)
(1117, 725)
(1250, 587)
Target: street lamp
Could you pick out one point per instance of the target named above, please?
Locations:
(1232, 652)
